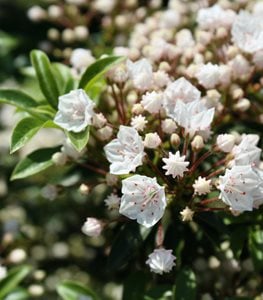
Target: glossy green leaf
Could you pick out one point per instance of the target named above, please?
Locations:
(127, 242)
(256, 247)
(97, 69)
(23, 132)
(135, 285)
(34, 163)
(70, 290)
(18, 294)
(14, 277)
(45, 77)
(63, 77)
(17, 99)
(185, 285)
(79, 140)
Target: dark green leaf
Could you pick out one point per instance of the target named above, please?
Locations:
(14, 277)
(79, 139)
(63, 77)
(45, 77)
(256, 247)
(18, 294)
(34, 163)
(24, 131)
(70, 290)
(160, 292)
(125, 246)
(135, 286)
(185, 285)
(97, 69)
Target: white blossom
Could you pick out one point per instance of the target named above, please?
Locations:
(202, 186)
(161, 261)
(143, 199)
(161, 79)
(238, 187)
(184, 39)
(81, 58)
(225, 142)
(141, 74)
(125, 153)
(152, 101)
(182, 90)
(193, 117)
(175, 164)
(170, 19)
(75, 111)
(240, 67)
(247, 153)
(92, 227)
(214, 17)
(247, 32)
(139, 122)
(112, 201)
(208, 75)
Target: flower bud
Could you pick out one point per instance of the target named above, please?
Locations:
(137, 109)
(81, 33)
(92, 227)
(98, 120)
(36, 13)
(197, 143)
(105, 133)
(36, 290)
(225, 142)
(152, 140)
(16, 256)
(54, 11)
(68, 36)
(221, 33)
(53, 34)
(202, 186)
(111, 179)
(242, 105)
(59, 158)
(3, 272)
(187, 214)
(175, 140)
(168, 126)
(84, 189)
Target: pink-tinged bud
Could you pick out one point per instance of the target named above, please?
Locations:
(105, 133)
(152, 140)
(175, 140)
(225, 142)
(92, 227)
(197, 143)
(137, 109)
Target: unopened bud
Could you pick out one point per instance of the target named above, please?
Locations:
(36, 14)
(175, 139)
(152, 140)
(36, 290)
(55, 11)
(105, 133)
(53, 34)
(168, 126)
(68, 36)
(242, 105)
(81, 33)
(137, 109)
(59, 158)
(221, 33)
(98, 120)
(197, 143)
(84, 189)
(225, 142)
(237, 93)
(187, 214)
(16, 256)
(92, 227)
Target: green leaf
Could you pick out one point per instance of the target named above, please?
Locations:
(18, 294)
(23, 132)
(159, 292)
(185, 285)
(79, 139)
(14, 277)
(128, 240)
(34, 163)
(135, 286)
(45, 77)
(17, 99)
(70, 290)
(63, 77)
(256, 248)
(97, 69)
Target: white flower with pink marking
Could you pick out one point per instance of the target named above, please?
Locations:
(143, 200)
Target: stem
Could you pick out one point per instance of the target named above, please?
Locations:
(159, 236)
(198, 162)
(115, 97)
(95, 169)
(207, 201)
(215, 173)
(186, 142)
(220, 162)
(122, 102)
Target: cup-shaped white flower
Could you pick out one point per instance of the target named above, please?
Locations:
(182, 90)
(143, 199)
(175, 164)
(161, 261)
(238, 187)
(193, 117)
(247, 32)
(75, 111)
(125, 153)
